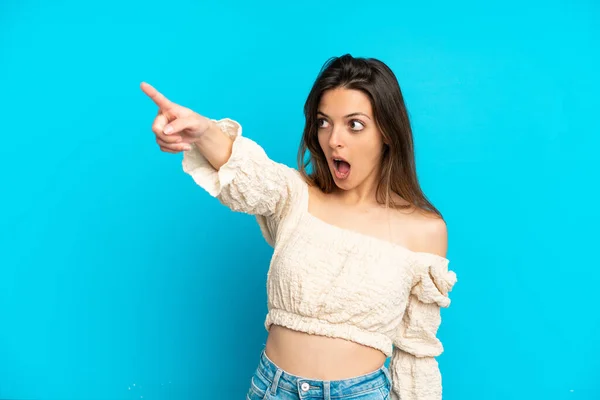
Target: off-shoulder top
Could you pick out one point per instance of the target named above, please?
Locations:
(326, 280)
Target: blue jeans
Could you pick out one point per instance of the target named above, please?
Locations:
(271, 382)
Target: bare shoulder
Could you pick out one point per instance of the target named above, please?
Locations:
(313, 190)
(315, 195)
(432, 234)
(429, 233)
(317, 202)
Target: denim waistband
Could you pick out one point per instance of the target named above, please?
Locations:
(316, 388)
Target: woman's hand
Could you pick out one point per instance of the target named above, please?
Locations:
(175, 126)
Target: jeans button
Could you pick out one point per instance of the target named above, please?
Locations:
(305, 386)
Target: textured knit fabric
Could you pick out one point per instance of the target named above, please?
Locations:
(326, 280)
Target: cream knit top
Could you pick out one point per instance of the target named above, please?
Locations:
(326, 280)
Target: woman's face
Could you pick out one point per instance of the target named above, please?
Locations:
(349, 137)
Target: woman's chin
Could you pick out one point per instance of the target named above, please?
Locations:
(343, 184)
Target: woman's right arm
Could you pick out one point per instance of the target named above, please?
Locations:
(227, 165)
(177, 128)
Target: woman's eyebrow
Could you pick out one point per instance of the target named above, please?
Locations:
(347, 116)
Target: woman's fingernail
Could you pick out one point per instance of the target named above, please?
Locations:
(168, 129)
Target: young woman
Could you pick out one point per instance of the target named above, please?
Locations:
(359, 270)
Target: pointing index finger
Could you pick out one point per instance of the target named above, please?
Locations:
(160, 100)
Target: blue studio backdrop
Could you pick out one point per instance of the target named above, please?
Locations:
(122, 279)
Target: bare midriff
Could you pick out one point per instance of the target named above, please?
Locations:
(320, 357)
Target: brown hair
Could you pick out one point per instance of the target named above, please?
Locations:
(378, 82)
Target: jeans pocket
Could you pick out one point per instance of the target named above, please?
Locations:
(385, 392)
(376, 393)
(259, 386)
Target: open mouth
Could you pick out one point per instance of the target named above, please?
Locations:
(341, 168)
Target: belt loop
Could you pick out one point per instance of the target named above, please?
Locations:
(387, 374)
(276, 381)
(326, 390)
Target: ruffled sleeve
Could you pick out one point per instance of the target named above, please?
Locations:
(415, 371)
(249, 182)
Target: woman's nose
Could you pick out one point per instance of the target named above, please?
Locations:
(335, 139)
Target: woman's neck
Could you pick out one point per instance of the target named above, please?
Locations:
(365, 194)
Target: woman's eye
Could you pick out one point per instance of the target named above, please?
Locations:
(322, 123)
(356, 125)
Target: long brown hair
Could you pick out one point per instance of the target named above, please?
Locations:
(378, 82)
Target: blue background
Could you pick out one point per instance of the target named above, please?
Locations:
(119, 278)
